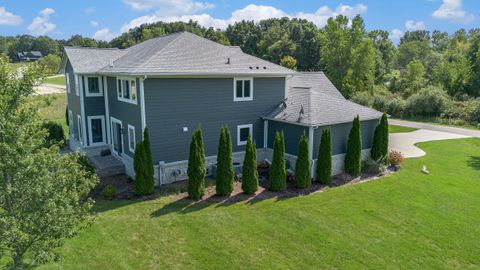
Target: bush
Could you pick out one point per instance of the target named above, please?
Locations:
(149, 170)
(196, 166)
(249, 170)
(324, 161)
(396, 107)
(109, 192)
(303, 178)
(85, 163)
(373, 166)
(353, 157)
(225, 172)
(362, 98)
(50, 64)
(380, 140)
(380, 103)
(140, 171)
(430, 101)
(55, 134)
(395, 158)
(278, 173)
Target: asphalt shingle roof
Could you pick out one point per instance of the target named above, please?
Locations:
(90, 60)
(312, 100)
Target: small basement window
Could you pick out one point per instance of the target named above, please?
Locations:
(242, 133)
(243, 89)
(127, 90)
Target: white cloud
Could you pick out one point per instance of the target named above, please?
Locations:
(413, 26)
(8, 18)
(90, 10)
(104, 34)
(41, 24)
(251, 12)
(451, 10)
(395, 34)
(94, 23)
(170, 7)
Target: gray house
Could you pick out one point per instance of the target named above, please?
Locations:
(176, 83)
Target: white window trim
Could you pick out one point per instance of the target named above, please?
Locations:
(70, 122)
(132, 150)
(79, 129)
(67, 79)
(121, 98)
(77, 85)
(239, 127)
(90, 138)
(235, 98)
(100, 86)
(112, 139)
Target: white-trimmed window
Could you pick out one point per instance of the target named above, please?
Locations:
(67, 79)
(131, 138)
(96, 130)
(70, 122)
(127, 90)
(242, 89)
(79, 129)
(93, 84)
(242, 133)
(77, 86)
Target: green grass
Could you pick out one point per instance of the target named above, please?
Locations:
(408, 220)
(59, 80)
(53, 108)
(400, 129)
(15, 66)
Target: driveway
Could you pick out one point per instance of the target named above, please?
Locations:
(447, 129)
(46, 89)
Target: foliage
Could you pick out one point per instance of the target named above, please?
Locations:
(289, 62)
(430, 101)
(374, 166)
(50, 64)
(43, 194)
(414, 78)
(303, 178)
(249, 170)
(225, 171)
(324, 161)
(380, 140)
(354, 149)
(395, 158)
(55, 135)
(196, 166)
(139, 163)
(278, 173)
(149, 169)
(109, 192)
(86, 164)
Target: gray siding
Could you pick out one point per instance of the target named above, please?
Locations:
(93, 106)
(174, 103)
(291, 132)
(129, 114)
(72, 99)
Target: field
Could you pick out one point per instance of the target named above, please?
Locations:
(407, 220)
(53, 108)
(400, 129)
(58, 80)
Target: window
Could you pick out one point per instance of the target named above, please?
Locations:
(131, 138)
(80, 130)
(67, 79)
(127, 90)
(242, 89)
(242, 133)
(94, 87)
(70, 122)
(76, 85)
(96, 132)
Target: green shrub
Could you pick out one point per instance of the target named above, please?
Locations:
(196, 166)
(139, 165)
(55, 134)
(303, 178)
(249, 170)
(380, 140)
(430, 101)
(149, 170)
(85, 164)
(324, 161)
(380, 103)
(395, 158)
(225, 171)
(370, 165)
(362, 98)
(109, 192)
(354, 149)
(278, 173)
(396, 107)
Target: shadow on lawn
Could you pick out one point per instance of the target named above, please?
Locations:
(474, 162)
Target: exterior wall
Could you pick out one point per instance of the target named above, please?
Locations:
(174, 103)
(291, 132)
(93, 106)
(73, 101)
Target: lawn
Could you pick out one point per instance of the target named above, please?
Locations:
(408, 220)
(400, 129)
(53, 108)
(59, 80)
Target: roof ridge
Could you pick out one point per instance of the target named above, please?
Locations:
(92, 48)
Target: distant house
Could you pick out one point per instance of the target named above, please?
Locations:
(176, 83)
(29, 56)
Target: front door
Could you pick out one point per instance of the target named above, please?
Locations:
(117, 137)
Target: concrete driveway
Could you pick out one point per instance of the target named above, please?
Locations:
(47, 89)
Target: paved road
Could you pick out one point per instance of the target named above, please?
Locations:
(454, 130)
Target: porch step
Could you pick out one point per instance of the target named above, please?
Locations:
(107, 165)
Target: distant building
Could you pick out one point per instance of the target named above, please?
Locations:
(29, 56)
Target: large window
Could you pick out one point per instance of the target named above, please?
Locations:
(131, 138)
(96, 130)
(242, 133)
(94, 87)
(243, 89)
(80, 129)
(127, 90)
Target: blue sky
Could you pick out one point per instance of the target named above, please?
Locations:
(108, 18)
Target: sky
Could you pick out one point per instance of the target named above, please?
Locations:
(105, 19)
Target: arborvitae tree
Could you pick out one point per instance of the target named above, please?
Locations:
(139, 167)
(225, 172)
(303, 178)
(149, 170)
(278, 174)
(249, 170)
(196, 166)
(380, 140)
(353, 158)
(324, 161)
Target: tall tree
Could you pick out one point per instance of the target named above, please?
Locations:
(149, 169)
(278, 173)
(139, 168)
(353, 158)
(385, 53)
(225, 172)
(303, 178)
(361, 75)
(380, 139)
(249, 170)
(196, 166)
(244, 34)
(413, 78)
(324, 160)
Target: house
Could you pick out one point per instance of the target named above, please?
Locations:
(29, 56)
(176, 83)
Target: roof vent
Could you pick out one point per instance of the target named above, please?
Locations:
(264, 67)
(257, 67)
(251, 67)
(228, 61)
(111, 63)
